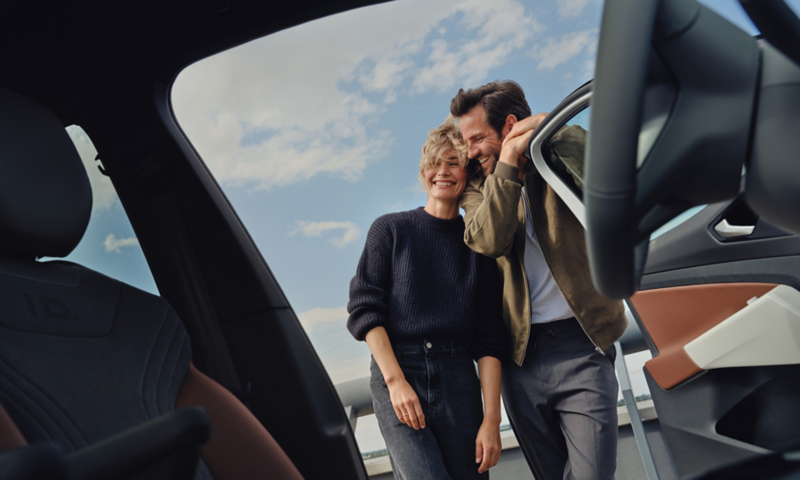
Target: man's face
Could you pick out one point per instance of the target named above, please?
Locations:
(483, 142)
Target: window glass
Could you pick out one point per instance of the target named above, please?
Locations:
(564, 154)
(109, 245)
(732, 11)
(315, 131)
(676, 221)
(564, 151)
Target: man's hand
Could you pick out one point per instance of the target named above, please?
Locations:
(516, 142)
(524, 126)
(487, 445)
(406, 404)
(513, 149)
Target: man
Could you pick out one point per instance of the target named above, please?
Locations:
(560, 390)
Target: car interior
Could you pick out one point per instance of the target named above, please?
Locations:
(701, 121)
(95, 372)
(99, 379)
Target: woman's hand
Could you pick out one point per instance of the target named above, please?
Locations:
(406, 404)
(487, 445)
(404, 398)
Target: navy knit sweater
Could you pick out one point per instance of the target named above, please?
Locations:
(418, 279)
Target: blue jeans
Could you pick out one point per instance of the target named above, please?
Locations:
(443, 376)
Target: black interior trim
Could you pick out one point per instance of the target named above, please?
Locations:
(645, 334)
(779, 270)
(778, 24)
(691, 244)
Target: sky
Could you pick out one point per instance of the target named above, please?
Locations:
(315, 131)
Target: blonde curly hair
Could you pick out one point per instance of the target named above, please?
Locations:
(441, 140)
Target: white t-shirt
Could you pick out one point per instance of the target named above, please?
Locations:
(547, 303)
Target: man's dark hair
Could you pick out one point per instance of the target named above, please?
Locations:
(499, 99)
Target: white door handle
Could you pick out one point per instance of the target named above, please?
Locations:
(726, 230)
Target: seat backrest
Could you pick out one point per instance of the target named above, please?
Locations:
(84, 356)
(73, 339)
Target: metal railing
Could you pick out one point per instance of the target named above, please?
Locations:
(632, 341)
(356, 398)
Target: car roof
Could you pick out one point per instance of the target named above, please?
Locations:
(73, 55)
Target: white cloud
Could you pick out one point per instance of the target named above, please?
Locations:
(572, 8)
(344, 357)
(315, 229)
(588, 67)
(389, 69)
(275, 111)
(552, 52)
(496, 29)
(352, 366)
(283, 109)
(319, 318)
(103, 193)
(114, 244)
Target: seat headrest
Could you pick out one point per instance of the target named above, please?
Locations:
(45, 196)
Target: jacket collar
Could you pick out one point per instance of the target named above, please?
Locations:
(477, 182)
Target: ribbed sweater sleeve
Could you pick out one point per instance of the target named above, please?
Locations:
(491, 337)
(369, 289)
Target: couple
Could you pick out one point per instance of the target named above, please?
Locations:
(507, 286)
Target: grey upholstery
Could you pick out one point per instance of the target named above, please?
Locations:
(45, 197)
(83, 356)
(85, 359)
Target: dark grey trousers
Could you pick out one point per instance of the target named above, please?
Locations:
(562, 404)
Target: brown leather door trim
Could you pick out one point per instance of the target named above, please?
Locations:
(675, 316)
(240, 448)
(10, 436)
(672, 368)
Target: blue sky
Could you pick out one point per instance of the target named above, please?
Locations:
(316, 131)
(310, 159)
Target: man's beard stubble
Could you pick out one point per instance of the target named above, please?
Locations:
(494, 157)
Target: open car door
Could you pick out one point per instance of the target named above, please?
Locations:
(718, 305)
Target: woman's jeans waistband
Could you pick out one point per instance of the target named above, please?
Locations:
(411, 348)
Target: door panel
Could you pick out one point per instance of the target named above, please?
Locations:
(676, 316)
(710, 418)
(696, 276)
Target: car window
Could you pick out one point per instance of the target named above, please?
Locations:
(315, 131)
(564, 151)
(109, 244)
(676, 221)
(734, 13)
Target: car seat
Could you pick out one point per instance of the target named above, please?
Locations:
(84, 357)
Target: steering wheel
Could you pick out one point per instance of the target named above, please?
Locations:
(672, 105)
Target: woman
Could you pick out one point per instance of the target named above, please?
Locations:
(427, 306)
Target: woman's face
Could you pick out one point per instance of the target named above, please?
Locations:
(446, 180)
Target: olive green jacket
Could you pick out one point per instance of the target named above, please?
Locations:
(495, 226)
